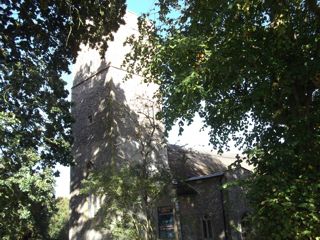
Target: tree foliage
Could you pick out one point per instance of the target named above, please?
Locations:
(38, 41)
(251, 70)
(59, 221)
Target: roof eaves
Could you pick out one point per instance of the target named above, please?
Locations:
(217, 174)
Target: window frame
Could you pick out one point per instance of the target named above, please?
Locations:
(207, 227)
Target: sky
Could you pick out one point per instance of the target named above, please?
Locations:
(140, 6)
(193, 136)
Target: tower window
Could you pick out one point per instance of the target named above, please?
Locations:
(90, 119)
(207, 227)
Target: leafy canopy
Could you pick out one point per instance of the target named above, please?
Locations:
(251, 70)
(38, 41)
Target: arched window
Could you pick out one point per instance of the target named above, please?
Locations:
(207, 232)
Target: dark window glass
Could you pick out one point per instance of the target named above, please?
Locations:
(90, 119)
(204, 226)
(207, 228)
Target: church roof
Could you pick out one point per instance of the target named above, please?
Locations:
(187, 163)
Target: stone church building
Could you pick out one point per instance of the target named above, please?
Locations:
(113, 121)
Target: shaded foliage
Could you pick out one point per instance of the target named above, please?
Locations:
(38, 41)
(251, 70)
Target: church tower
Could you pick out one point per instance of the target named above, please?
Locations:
(112, 124)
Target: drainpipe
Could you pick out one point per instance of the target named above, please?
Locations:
(177, 209)
(223, 209)
(178, 220)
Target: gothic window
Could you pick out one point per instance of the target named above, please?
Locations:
(207, 227)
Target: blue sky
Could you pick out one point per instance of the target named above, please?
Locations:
(140, 6)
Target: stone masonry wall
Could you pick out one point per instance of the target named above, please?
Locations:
(206, 203)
